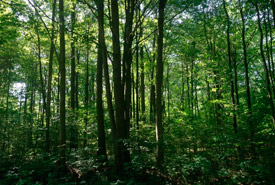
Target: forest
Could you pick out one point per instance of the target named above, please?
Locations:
(136, 92)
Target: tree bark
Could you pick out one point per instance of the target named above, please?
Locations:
(49, 89)
(142, 84)
(62, 85)
(127, 62)
(159, 81)
(99, 88)
(236, 79)
(86, 100)
(265, 66)
(137, 82)
(73, 128)
(41, 76)
(230, 69)
(247, 83)
(123, 155)
(152, 88)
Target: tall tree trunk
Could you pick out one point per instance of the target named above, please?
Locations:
(49, 89)
(41, 76)
(86, 100)
(159, 80)
(192, 87)
(188, 88)
(133, 94)
(168, 92)
(73, 127)
(127, 62)
(77, 81)
(123, 155)
(268, 55)
(137, 82)
(7, 115)
(265, 66)
(99, 88)
(230, 69)
(73, 57)
(182, 83)
(152, 88)
(236, 78)
(142, 84)
(271, 46)
(109, 94)
(62, 71)
(273, 10)
(247, 83)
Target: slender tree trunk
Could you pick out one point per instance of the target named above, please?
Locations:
(230, 69)
(77, 82)
(109, 95)
(188, 88)
(271, 46)
(62, 71)
(86, 101)
(73, 127)
(30, 120)
(247, 83)
(159, 80)
(72, 58)
(133, 95)
(192, 86)
(99, 88)
(182, 91)
(168, 92)
(41, 77)
(142, 84)
(236, 79)
(48, 110)
(137, 82)
(265, 66)
(268, 55)
(273, 10)
(152, 88)
(7, 116)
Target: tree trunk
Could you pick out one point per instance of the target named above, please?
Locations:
(273, 10)
(86, 100)
(49, 90)
(7, 115)
(99, 88)
(247, 83)
(77, 82)
(271, 46)
(236, 79)
(182, 83)
(62, 71)
(73, 127)
(127, 62)
(230, 69)
(265, 66)
(168, 92)
(123, 155)
(137, 82)
(268, 55)
(152, 88)
(142, 84)
(159, 80)
(41, 77)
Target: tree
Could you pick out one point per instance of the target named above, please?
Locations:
(159, 80)
(62, 92)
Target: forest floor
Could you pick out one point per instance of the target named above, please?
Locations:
(200, 168)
